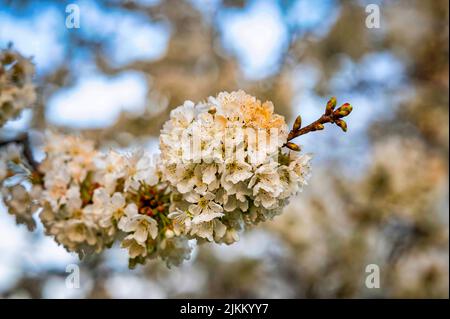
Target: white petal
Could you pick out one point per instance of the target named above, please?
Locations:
(153, 229)
(195, 209)
(209, 174)
(131, 210)
(117, 201)
(206, 217)
(141, 233)
(215, 207)
(219, 229)
(192, 197)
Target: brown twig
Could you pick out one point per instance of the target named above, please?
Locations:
(330, 116)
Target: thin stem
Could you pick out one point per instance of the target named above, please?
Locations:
(311, 127)
(330, 116)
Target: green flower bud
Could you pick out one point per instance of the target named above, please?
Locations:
(342, 124)
(319, 126)
(344, 110)
(297, 123)
(331, 104)
(293, 146)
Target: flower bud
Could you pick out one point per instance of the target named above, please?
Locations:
(169, 233)
(297, 123)
(331, 104)
(342, 124)
(293, 146)
(319, 126)
(344, 110)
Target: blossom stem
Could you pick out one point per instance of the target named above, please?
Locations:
(314, 126)
(330, 116)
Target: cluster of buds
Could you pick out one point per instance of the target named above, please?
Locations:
(331, 115)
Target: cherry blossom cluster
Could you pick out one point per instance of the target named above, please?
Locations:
(17, 90)
(88, 200)
(223, 166)
(226, 166)
(92, 198)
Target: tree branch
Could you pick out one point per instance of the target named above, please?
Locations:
(330, 116)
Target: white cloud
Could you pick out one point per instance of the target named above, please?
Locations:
(38, 35)
(129, 36)
(97, 100)
(257, 36)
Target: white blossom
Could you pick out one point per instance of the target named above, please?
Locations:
(141, 226)
(236, 172)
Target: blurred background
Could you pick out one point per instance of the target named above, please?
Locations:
(378, 194)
